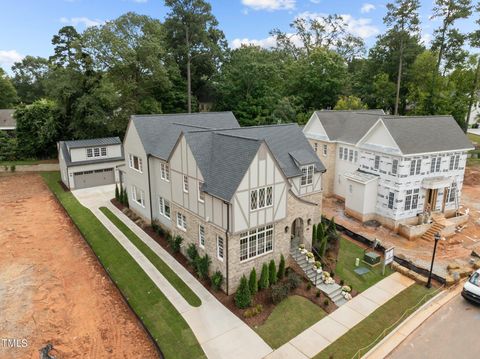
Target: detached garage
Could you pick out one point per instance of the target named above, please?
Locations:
(90, 163)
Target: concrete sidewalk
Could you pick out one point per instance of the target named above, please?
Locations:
(316, 338)
(220, 333)
(399, 334)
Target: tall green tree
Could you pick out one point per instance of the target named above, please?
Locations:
(474, 38)
(28, 78)
(349, 103)
(196, 41)
(448, 40)
(403, 19)
(8, 94)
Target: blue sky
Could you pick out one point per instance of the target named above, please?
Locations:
(27, 26)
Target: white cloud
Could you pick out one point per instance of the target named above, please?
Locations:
(366, 8)
(315, 1)
(85, 21)
(9, 57)
(426, 38)
(140, 1)
(270, 5)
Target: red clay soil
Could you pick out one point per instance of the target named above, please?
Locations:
(52, 288)
(263, 297)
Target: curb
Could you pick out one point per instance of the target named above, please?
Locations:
(387, 345)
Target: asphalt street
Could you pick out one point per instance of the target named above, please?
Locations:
(452, 332)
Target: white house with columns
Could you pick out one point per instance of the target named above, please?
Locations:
(390, 168)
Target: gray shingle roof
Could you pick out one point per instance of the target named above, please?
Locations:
(348, 126)
(224, 156)
(159, 133)
(423, 134)
(6, 119)
(93, 142)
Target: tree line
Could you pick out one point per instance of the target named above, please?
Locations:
(135, 64)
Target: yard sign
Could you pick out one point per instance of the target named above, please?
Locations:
(389, 253)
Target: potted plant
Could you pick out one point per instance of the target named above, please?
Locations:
(317, 266)
(310, 257)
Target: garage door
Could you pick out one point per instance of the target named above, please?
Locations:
(94, 178)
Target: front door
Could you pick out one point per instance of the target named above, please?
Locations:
(431, 200)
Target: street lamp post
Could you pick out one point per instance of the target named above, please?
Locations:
(437, 237)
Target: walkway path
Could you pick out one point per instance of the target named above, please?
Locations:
(316, 338)
(220, 333)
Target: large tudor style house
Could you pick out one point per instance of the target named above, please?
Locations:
(390, 168)
(241, 195)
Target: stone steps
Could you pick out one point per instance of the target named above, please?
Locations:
(430, 234)
(332, 291)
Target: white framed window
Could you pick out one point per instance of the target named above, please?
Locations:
(261, 198)
(391, 199)
(411, 199)
(201, 194)
(340, 153)
(185, 183)
(355, 159)
(377, 162)
(256, 242)
(89, 152)
(165, 172)
(96, 152)
(201, 236)
(138, 196)
(350, 155)
(307, 175)
(394, 167)
(454, 162)
(220, 251)
(135, 163)
(103, 151)
(451, 193)
(415, 166)
(164, 207)
(345, 153)
(181, 221)
(325, 150)
(435, 164)
(315, 147)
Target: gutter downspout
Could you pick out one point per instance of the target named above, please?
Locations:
(149, 188)
(226, 245)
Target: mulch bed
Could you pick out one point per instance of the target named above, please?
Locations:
(263, 297)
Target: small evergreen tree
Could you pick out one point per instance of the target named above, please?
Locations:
(243, 297)
(281, 268)
(117, 193)
(252, 282)
(272, 273)
(314, 235)
(125, 198)
(264, 277)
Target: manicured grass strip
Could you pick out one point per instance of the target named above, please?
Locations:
(163, 321)
(291, 317)
(368, 330)
(162, 267)
(473, 137)
(348, 252)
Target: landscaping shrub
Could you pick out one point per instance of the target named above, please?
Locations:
(12, 168)
(217, 280)
(160, 231)
(251, 312)
(243, 298)
(281, 268)
(325, 302)
(318, 294)
(192, 253)
(342, 282)
(203, 264)
(314, 234)
(272, 273)
(117, 193)
(332, 274)
(309, 286)
(176, 243)
(252, 282)
(264, 283)
(293, 280)
(279, 292)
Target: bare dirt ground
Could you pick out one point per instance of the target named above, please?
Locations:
(52, 288)
(420, 251)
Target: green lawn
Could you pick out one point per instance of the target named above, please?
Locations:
(368, 330)
(162, 267)
(474, 138)
(172, 333)
(291, 317)
(346, 264)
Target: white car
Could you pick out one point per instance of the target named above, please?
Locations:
(471, 289)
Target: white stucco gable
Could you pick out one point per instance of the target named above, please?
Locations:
(379, 139)
(314, 129)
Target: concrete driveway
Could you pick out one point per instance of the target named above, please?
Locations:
(221, 334)
(452, 332)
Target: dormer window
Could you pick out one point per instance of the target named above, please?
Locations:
(307, 175)
(96, 152)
